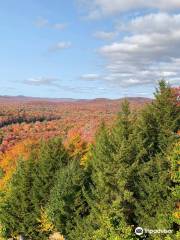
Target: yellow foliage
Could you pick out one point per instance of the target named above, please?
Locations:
(176, 215)
(56, 236)
(86, 155)
(77, 147)
(45, 223)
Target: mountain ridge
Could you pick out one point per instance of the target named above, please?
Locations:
(22, 98)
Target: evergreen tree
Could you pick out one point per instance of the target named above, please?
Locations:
(154, 203)
(167, 113)
(123, 126)
(158, 123)
(110, 197)
(52, 157)
(29, 191)
(155, 132)
(67, 205)
(174, 159)
(16, 216)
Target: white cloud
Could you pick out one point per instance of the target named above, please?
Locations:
(151, 23)
(149, 53)
(100, 8)
(90, 76)
(61, 46)
(42, 81)
(105, 35)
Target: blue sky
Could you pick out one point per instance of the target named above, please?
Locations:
(88, 49)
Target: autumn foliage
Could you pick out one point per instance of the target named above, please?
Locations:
(8, 160)
(78, 170)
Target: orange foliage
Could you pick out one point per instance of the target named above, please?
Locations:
(8, 160)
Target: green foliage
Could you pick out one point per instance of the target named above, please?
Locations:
(66, 205)
(156, 132)
(16, 208)
(167, 114)
(158, 123)
(131, 178)
(174, 159)
(110, 196)
(29, 191)
(52, 157)
(154, 204)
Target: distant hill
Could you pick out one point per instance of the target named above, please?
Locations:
(21, 98)
(30, 99)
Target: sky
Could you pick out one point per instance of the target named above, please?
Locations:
(88, 49)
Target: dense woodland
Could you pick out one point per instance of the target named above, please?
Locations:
(22, 118)
(101, 189)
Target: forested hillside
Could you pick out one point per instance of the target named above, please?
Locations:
(95, 175)
(22, 118)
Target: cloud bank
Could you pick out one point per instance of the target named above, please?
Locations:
(148, 52)
(100, 8)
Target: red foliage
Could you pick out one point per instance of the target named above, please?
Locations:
(20, 120)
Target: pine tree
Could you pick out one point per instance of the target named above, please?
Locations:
(110, 197)
(167, 113)
(52, 157)
(16, 216)
(67, 205)
(29, 190)
(154, 203)
(123, 125)
(174, 159)
(158, 123)
(155, 132)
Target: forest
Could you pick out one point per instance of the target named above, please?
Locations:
(92, 170)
